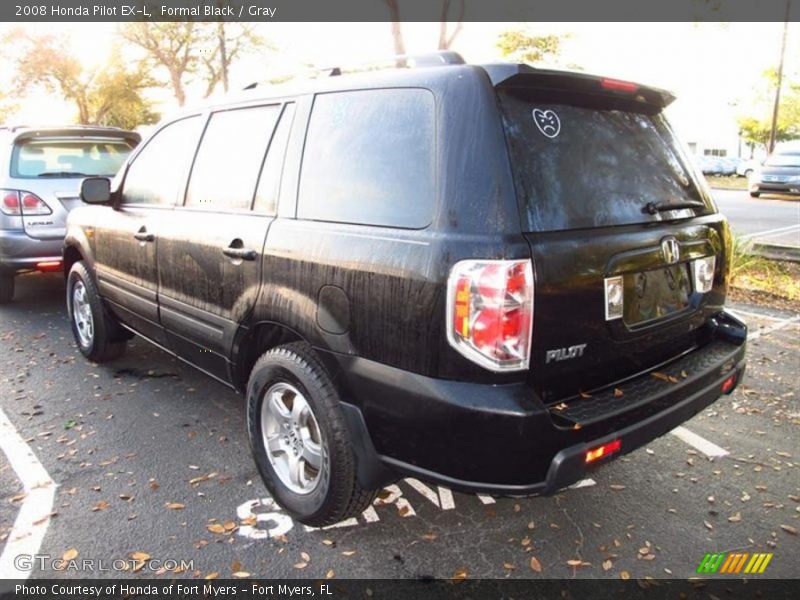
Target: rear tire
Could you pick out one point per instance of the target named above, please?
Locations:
(6, 288)
(286, 380)
(755, 194)
(98, 335)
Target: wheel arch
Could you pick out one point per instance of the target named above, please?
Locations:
(253, 341)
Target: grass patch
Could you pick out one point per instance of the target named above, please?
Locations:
(774, 277)
(725, 182)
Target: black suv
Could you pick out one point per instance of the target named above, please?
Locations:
(491, 277)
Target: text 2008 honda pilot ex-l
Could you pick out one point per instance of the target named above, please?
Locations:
(494, 277)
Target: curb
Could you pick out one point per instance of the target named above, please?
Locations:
(776, 251)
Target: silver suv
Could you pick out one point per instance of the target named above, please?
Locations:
(40, 175)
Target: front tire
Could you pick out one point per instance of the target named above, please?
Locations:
(6, 288)
(97, 334)
(299, 438)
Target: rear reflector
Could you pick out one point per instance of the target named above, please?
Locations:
(49, 265)
(602, 451)
(619, 86)
(728, 384)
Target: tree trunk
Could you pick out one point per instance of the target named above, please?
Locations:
(397, 32)
(223, 55)
(177, 87)
(445, 41)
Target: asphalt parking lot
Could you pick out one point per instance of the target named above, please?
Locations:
(145, 457)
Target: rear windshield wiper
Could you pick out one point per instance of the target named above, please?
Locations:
(654, 208)
(63, 174)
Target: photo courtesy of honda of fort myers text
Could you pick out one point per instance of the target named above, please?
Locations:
(376, 298)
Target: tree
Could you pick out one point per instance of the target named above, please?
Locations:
(111, 95)
(7, 108)
(227, 42)
(446, 37)
(172, 47)
(520, 46)
(756, 127)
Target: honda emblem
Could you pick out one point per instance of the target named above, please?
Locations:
(671, 250)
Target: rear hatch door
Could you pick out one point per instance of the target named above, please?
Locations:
(606, 193)
(51, 165)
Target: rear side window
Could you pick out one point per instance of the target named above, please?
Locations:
(269, 183)
(158, 172)
(226, 169)
(66, 157)
(369, 159)
(580, 164)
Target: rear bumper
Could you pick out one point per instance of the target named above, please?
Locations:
(20, 252)
(792, 189)
(500, 439)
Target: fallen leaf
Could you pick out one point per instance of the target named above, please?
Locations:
(305, 556)
(659, 375)
(536, 565)
(175, 506)
(509, 566)
(330, 542)
(300, 565)
(574, 562)
(216, 528)
(102, 505)
(70, 554)
(789, 529)
(241, 575)
(461, 573)
(140, 556)
(618, 393)
(735, 518)
(330, 574)
(624, 575)
(616, 487)
(429, 537)
(607, 564)
(585, 395)
(212, 575)
(348, 552)
(708, 525)
(644, 550)
(249, 521)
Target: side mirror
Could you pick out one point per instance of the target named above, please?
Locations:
(96, 190)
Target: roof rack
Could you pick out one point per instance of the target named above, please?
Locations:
(441, 58)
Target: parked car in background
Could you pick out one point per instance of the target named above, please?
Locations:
(465, 274)
(40, 176)
(746, 167)
(780, 174)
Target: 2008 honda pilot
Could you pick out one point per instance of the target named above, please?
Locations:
(491, 277)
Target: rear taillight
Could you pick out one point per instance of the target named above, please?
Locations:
(25, 204)
(490, 312)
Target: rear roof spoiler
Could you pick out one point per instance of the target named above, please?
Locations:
(78, 132)
(521, 75)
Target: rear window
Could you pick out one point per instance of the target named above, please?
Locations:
(369, 159)
(581, 164)
(783, 160)
(69, 157)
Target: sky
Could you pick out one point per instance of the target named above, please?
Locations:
(715, 69)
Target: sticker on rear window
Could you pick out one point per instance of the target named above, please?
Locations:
(547, 121)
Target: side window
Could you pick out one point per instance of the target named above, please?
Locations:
(369, 159)
(231, 153)
(269, 183)
(157, 174)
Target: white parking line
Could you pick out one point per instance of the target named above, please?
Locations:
(34, 513)
(770, 232)
(773, 328)
(700, 443)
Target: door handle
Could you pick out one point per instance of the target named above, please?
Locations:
(143, 236)
(240, 253)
